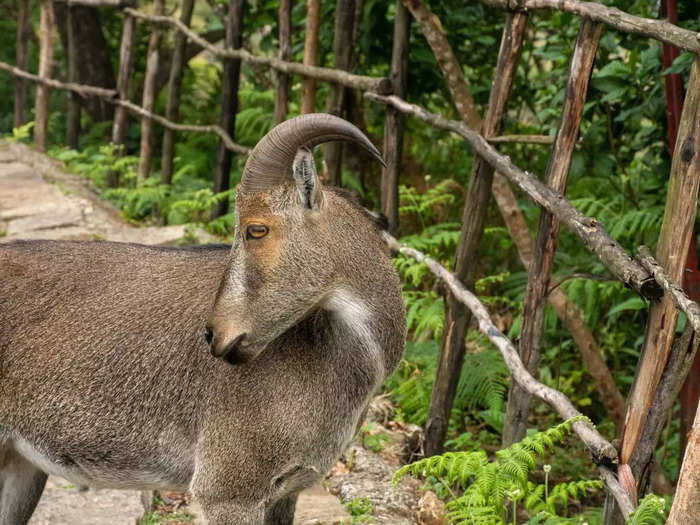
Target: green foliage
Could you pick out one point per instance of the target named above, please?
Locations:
(361, 510)
(651, 511)
(483, 490)
(372, 440)
(480, 392)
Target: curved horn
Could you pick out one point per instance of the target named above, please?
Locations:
(270, 162)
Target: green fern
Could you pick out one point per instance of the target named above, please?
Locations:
(488, 487)
(651, 510)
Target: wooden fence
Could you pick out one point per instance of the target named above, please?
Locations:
(664, 363)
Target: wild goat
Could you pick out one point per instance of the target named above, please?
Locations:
(106, 378)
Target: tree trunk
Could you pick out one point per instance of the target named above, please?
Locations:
(172, 111)
(229, 104)
(457, 316)
(22, 62)
(313, 24)
(395, 121)
(285, 53)
(121, 115)
(73, 124)
(342, 56)
(41, 106)
(149, 97)
(540, 271)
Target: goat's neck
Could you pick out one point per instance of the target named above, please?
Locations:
(353, 323)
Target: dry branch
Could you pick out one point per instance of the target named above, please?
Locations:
(673, 291)
(110, 96)
(522, 139)
(588, 229)
(364, 83)
(658, 29)
(99, 3)
(602, 451)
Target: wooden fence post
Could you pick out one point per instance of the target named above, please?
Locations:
(342, 56)
(229, 104)
(671, 252)
(395, 121)
(74, 105)
(540, 271)
(172, 110)
(43, 92)
(22, 62)
(149, 96)
(285, 53)
(457, 316)
(121, 115)
(313, 24)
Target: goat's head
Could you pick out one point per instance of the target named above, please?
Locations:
(294, 240)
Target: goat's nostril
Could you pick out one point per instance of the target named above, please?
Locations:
(230, 353)
(209, 335)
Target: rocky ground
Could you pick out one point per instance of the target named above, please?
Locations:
(39, 200)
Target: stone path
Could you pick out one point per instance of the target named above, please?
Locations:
(38, 200)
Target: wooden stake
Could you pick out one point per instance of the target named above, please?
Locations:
(123, 85)
(22, 62)
(540, 271)
(342, 57)
(229, 104)
(313, 25)
(285, 53)
(149, 97)
(172, 110)
(74, 106)
(457, 316)
(671, 251)
(41, 105)
(395, 121)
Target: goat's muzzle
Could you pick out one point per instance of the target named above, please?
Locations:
(234, 352)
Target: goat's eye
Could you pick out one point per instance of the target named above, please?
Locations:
(256, 231)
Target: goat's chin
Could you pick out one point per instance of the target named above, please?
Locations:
(241, 356)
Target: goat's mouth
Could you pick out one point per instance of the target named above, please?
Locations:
(239, 351)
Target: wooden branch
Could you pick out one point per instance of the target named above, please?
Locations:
(476, 204)
(540, 270)
(110, 94)
(41, 104)
(437, 40)
(22, 61)
(149, 96)
(172, 110)
(284, 33)
(588, 229)
(99, 3)
(671, 288)
(602, 451)
(364, 83)
(672, 249)
(658, 29)
(395, 121)
(522, 139)
(313, 25)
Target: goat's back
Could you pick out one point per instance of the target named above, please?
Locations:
(104, 329)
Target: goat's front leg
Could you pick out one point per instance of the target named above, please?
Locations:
(281, 512)
(230, 513)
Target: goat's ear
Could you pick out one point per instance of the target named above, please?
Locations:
(308, 183)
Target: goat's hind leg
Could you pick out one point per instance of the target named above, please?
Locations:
(21, 485)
